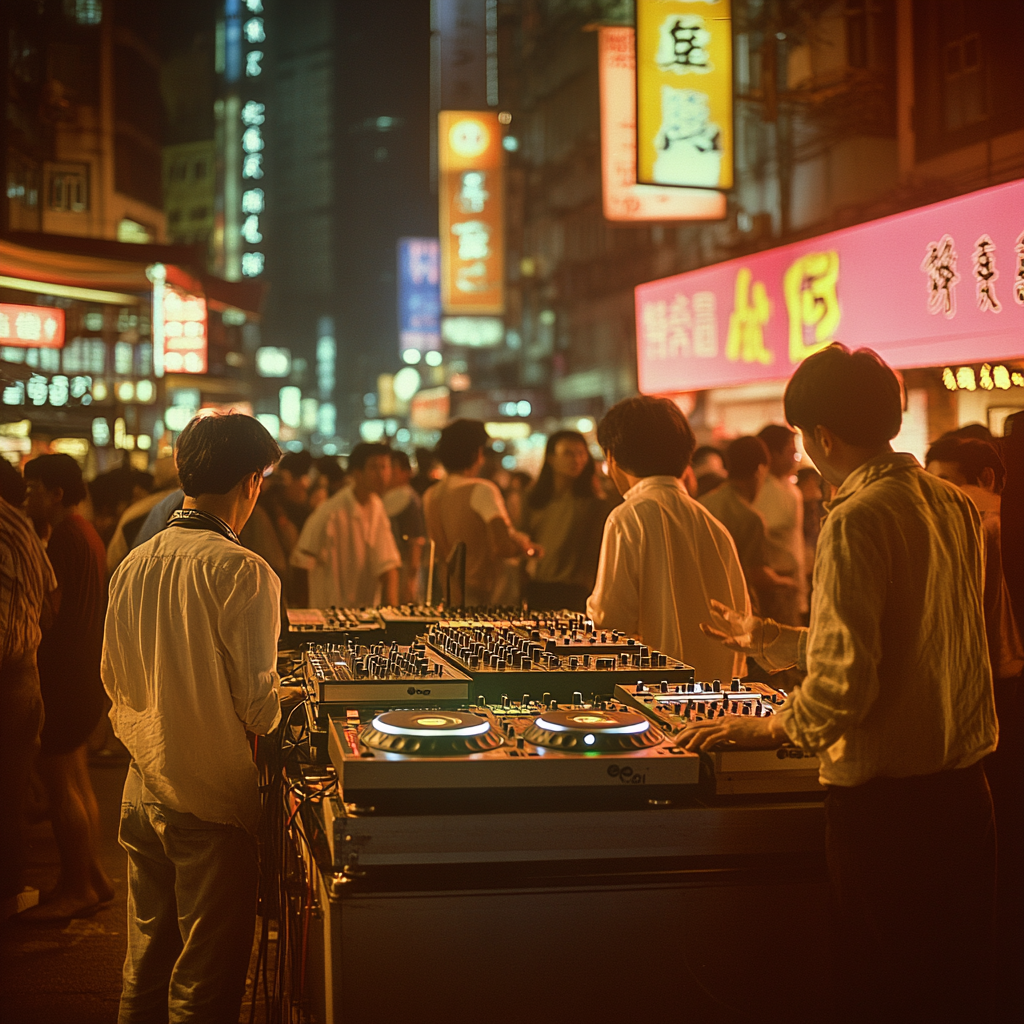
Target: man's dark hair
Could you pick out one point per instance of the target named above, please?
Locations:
(972, 455)
(977, 431)
(943, 450)
(297, 463)
(647, 436)
(363, 452)
(12, 484)
(460, 444)
(775, 437)
(744, 456)
(855, 394)
(215, 453)
(401, 460)
(328, 467)
(54, 471)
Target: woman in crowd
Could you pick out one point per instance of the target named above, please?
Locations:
(564, 514)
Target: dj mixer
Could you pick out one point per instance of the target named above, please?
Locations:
(406, 622)
(503, 659)
(480, 759)
(728, 772)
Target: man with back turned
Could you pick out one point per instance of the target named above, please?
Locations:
(897, 703)
(189, 659)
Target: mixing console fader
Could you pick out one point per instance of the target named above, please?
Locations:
(503, 659)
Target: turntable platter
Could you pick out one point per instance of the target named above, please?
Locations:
(588, 729)
(431, 733)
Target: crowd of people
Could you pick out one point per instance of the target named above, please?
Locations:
(874, 588)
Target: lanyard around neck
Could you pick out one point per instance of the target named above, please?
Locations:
(196, 519)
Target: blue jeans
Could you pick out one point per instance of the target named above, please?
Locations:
(192, 888)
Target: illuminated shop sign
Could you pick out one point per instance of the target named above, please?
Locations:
(419, 294)
(939, 285)
(472, 216)
(624, 199)
(31, 326)
(59, 391)
(684, 93)
(183, 321)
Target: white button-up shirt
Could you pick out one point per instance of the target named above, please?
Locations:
(898, 679)
(346, 547)
(189, 656)
(663, 558)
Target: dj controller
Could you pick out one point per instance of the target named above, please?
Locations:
(728, 772)
(331, 625)
(483, 759)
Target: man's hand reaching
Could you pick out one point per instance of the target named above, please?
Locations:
(775, 646)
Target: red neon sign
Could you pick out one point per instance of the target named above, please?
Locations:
(31, 326)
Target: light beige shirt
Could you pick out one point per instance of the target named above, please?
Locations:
(346, 547)
(189, 656)
(663, 558)
(898, 679)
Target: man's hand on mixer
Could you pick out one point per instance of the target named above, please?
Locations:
(733, 732)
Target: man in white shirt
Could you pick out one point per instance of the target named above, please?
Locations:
(897, 703)
(189, 655)
(781, 504)
(664, 557)
(347, 545)
(462, 507)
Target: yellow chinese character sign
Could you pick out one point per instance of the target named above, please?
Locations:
(812, 302)
(684, 93)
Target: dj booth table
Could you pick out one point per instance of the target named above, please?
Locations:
(694, 915)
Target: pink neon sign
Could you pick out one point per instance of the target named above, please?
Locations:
(941, 284)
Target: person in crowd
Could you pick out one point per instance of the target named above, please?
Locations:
(809, 481)
(781, 506)
(564, 515)
(519, 484)
(69, 676)
(976, 468)
(405, 510)
(329, 479)
(111, 493)
(708, 468)
(158, 517)
(285, 499)
(26, 585)
(428, 471)
(462, 507)
(897, 703)
(165, 482)
(664, 557)
(346, 545)
(732, 504)
(191, 801)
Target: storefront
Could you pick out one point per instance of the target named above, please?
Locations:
(938, 292)
(94, 350)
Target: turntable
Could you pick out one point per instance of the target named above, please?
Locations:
(728, 772)
(476, 760)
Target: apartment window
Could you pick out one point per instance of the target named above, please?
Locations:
(963, 92)
(174, 217)
(179, 170)
(199, 213)
(69, 191)
(870, 29)
(199, 171)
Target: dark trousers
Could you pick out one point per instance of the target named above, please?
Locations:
(912, 864)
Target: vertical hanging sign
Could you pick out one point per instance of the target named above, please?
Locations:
(419, 300)
(472, 215)
(624, 199)
(684, 93)
(253, 117)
